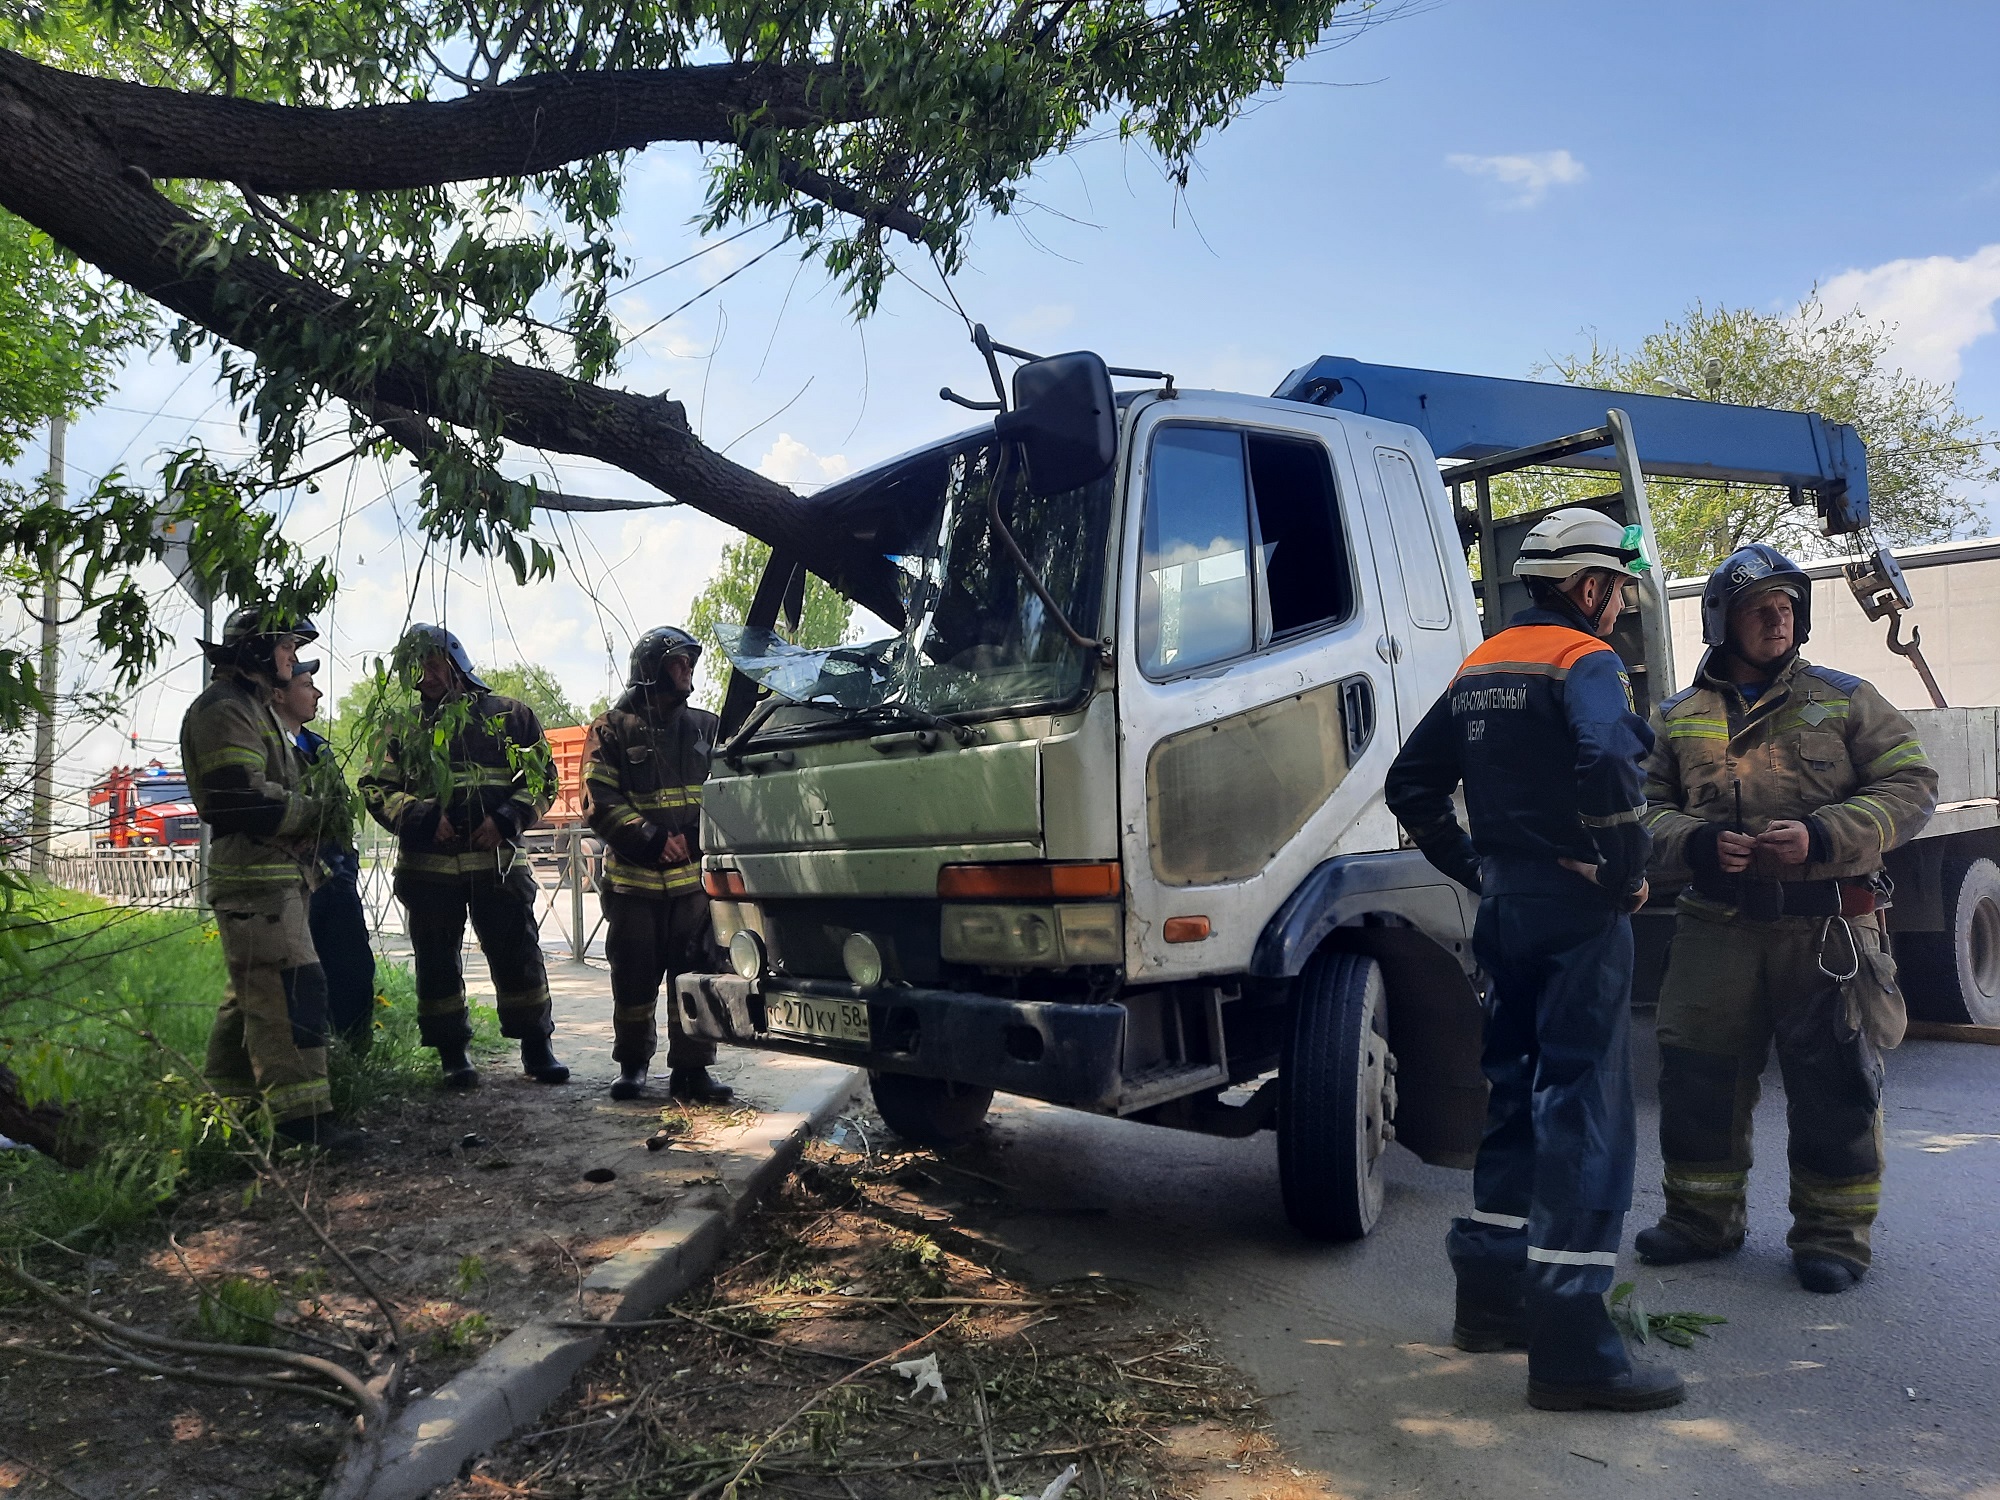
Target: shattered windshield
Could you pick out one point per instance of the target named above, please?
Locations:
(975, 637)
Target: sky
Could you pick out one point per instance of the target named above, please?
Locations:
(1470, 185)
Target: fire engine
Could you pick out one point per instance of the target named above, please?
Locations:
(144, 806)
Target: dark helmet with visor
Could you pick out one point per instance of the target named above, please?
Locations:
(651, 650)
(1754, 569)
(421, 641)
(250, 637)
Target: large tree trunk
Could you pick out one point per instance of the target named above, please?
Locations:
(59, 172)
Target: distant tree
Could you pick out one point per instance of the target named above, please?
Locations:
(540, 689)
(725, 600)
(1925, 454)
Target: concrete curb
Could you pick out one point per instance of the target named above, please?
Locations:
(429, 1441)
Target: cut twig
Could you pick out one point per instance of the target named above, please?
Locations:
(728, 1486)
(125, 1359)
(677, 1316)
(365, 1400)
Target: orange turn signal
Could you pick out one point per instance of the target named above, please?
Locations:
(1184, 929)
(1028, 882)
(722, 884)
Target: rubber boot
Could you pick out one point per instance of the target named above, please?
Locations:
(457, 1068)
(323, 1133)
(631, 1082)
(1641, 1388)
(1486, 1324)
(538, 1061)
(1663, 1245)
(1577, 1360)
(1827, 1274)
(694, 1086)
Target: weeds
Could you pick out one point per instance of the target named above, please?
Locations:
(471, 1275)
(110, 1017)
(462, 1335)
(237, 1310)
(1680, 1329)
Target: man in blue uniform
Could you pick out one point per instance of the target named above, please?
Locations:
(1538, 726)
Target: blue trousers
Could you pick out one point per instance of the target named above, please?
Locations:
(1554, 1175)
(340, 935)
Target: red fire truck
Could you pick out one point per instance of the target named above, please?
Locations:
(142, 807)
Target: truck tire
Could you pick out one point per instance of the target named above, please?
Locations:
(1336, 1099)
(1954, 975)
(928, 1111)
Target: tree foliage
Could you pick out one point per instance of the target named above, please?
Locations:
(412, 206)
(539, 688)
(725, 600)
(1925, 454)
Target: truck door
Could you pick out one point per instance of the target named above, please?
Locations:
(1431, 622)
(1257, 716)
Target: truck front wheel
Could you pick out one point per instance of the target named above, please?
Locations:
(928, 1111)
(1954, 975)
(1336, 1099)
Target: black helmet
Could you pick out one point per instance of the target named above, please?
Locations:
(1752, 570)
(420, 641)
(250, 637)
(652, 649)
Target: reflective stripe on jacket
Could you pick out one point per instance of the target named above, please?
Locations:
(243, 774)
(483, 783)
(1538, 725)
(643, 769)
(1818, 745)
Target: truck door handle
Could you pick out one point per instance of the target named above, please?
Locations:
(1357, 712)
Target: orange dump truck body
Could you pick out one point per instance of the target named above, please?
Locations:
(567, 810)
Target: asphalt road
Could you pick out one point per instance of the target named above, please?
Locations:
(1893, 1388)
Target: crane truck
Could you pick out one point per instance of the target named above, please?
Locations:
(1099, 821)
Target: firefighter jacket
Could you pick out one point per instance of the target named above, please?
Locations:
(244, 776)
(643, 767)
(1818, 745)
(499, 766)
(1538, 725)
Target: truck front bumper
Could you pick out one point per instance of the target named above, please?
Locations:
(1065, 1054)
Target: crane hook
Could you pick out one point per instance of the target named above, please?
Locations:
(1912, 650)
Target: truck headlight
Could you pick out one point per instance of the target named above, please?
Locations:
(862, 959)
(746, 954)
(1031, 936)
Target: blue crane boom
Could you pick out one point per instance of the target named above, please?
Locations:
(1467, 417)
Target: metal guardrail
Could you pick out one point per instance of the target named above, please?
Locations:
(565, 862)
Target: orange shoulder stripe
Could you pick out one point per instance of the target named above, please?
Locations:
(1555, 646)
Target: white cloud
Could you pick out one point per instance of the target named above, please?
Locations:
(1533, 173)
(1938, 306)
(790, 461)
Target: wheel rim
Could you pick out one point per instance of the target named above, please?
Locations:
(1983, 948)
(1375, 1102)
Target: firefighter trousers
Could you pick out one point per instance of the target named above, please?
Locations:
(270, 1033)
(649, 940)
(340, 936)
(1732, 988)
(1554, 1174)
(502, 910)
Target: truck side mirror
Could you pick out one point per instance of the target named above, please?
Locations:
(1065, 420)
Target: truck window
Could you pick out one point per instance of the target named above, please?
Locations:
(1194, 593)
(1418, 551)
(1242, 546)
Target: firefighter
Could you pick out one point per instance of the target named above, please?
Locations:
(1539, 727)
(643, 767)
(1774, 789)
(458, 812)
(270, 1034)
(339, 921)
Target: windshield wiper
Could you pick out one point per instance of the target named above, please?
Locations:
(923, 718)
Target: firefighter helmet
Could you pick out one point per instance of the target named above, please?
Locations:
(1754, 569)
(421, 641)
(250, 637)
(652, 649)
(1567, 542)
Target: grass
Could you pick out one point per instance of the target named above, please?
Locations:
(110, 1016)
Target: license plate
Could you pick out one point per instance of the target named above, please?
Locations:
(823, 1020)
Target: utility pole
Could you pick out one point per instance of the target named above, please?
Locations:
(41, 822)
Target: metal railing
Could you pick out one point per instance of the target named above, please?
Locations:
(565, 862)
(168, 876)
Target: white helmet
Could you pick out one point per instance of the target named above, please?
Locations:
(1566, 542)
